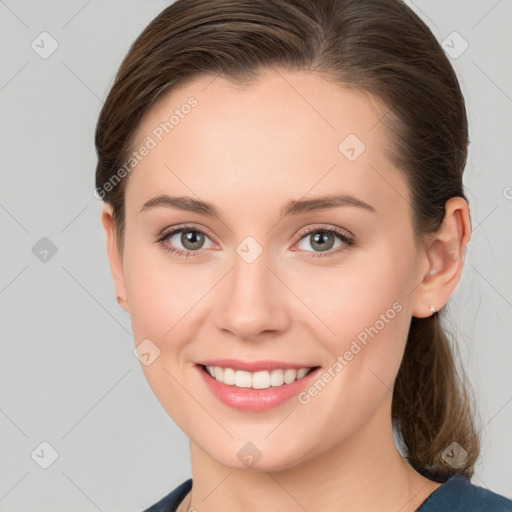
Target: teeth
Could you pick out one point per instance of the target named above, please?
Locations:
(229, 377)
(255, 380)
(302, 372)
(242, 379)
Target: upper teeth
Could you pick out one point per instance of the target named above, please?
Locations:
(255, 380)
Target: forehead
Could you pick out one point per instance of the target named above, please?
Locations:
(286, 135)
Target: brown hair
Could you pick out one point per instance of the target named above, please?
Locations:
(378, 46)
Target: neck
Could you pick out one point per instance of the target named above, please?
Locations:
(363, 472)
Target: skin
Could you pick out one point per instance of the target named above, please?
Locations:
(249, 151)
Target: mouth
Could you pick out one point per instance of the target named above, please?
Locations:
(262, 379)
(269, 385)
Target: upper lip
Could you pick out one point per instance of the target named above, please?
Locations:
(253, 366)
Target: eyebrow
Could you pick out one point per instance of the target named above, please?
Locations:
(294, 207)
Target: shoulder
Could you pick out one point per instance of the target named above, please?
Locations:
(458, 494)
(170, 502)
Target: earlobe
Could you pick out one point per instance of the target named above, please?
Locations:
(115, 260)
(445, 256)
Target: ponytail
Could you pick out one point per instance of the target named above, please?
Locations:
(432, 408)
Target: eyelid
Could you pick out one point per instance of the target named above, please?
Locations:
(325, 227)
(345, 235)
(182, 227)
(347, 238)
(167, 231)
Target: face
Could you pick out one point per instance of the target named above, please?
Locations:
(272, 281)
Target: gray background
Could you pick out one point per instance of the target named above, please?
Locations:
(68, 373)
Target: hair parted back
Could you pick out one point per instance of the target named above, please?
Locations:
(378, 46)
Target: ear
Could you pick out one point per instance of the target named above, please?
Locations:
(444, 257)
(115, 259)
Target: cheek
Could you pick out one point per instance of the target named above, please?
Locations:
(351, 297)
(365, 317)
(159, 297)
(159, 292)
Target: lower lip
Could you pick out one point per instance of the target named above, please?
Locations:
(255, 400)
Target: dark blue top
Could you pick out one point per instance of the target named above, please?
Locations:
(457, 494)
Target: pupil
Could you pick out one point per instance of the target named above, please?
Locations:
(192, 237)
(320, 239)
(321, 236)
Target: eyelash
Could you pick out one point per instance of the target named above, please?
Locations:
(346, 239)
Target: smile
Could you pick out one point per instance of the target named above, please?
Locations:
(256, 380)
(256, 386)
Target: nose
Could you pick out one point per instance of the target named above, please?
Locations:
(254, 303)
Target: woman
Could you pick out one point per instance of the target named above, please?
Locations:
(285, 219)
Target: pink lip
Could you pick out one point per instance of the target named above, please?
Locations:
(255, 400)
(253, 366)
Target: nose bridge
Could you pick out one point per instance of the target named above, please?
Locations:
(251, 302)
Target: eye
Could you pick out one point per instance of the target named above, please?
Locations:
(190, 238)
(324, 240)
